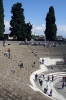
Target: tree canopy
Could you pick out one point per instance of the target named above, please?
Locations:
(18, 26)
(51, 28)
(2, 26)
(28, 28)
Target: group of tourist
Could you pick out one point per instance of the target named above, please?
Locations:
(48, 78)
(40, 80)
(63, 81)
(46, 44)
(46, 91)
(21, 66)
(8, 54)
(42, 61)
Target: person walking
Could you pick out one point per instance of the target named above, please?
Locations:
(48, 78)
(62, 85)
(34, 63)
(13, 70)
(41, 82)
(9, 53)
(43, 76)
(42, 61)
(36, 76)
(65, 80)
(46, 89)
(21, 64)
(52, 77)
(50, 93)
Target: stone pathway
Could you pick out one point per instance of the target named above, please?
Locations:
(57, 77)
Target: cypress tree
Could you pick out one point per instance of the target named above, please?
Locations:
(17, 22)
(51, 28)
(18, 27)
(2, 26)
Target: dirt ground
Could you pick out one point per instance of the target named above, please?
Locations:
(15, 86)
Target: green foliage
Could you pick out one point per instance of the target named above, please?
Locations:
(18, 26)
(32, 36)
(2, 26)
(51, 28)
(28, 30)
(17, 22)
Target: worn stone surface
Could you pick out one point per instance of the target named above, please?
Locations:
(15, 86)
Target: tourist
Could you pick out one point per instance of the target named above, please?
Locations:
(62, 85)
(43, 76)
(41, 82)
(52, 77)
(48, 78)
(4, 42)
(13, 70)
(52, 67)
(34, 63)
(21, 64)
(42, 61)
(8, 49)
(36, 76)
(36, 54)
(50, 93)
(32, 50)
(46, 89)
(65, 80)
(9, 53)
(6, 53)
(64, 58)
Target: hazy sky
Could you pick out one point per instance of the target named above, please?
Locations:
(35, 11)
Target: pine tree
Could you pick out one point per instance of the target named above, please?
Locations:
(2, 26)
(51, 28)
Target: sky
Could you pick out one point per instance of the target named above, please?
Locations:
(35, 12)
